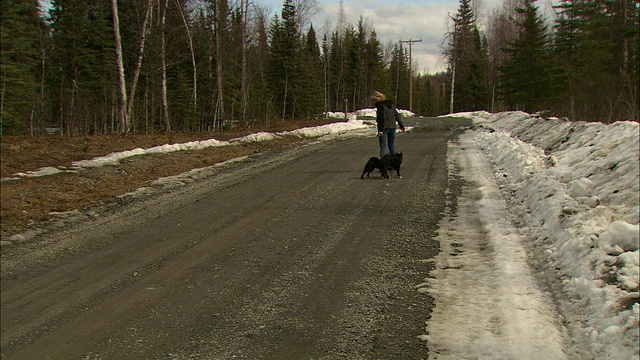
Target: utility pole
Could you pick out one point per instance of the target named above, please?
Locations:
(410, 42)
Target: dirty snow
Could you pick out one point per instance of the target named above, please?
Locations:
(549, 269)
(325, 131)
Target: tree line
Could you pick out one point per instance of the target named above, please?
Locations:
(123, 66)
(582, 65)
(142, 66)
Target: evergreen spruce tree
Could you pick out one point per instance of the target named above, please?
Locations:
(336, 72)
(525, 76)
(286, 73)
(425, 104)
(20, 61)
(324, 58)
(278, 75)
(184, 74)
(626, 25)
(233, 70)
(467, 61)
(376, 74)
(353, 67)
(399, 71)
(593, 59)
(361, 92)
(311, 102)
(82, 59)
(200, 29)
(258, 53)
(473, 91)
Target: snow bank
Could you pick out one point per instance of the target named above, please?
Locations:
(371, 113)
(575, 187)
(333, 129)
(329, 129)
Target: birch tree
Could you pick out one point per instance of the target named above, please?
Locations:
(136, 72)
(243, 87)
(122, 84)
(163, 5)
(194, 93)
(218, 31)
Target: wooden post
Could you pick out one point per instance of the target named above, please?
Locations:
(410, 42)
(346, 109)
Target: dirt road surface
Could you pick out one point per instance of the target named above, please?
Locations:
(287, 255)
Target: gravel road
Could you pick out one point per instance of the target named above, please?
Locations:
(287, 255)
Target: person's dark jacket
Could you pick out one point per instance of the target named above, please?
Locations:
(387, 116)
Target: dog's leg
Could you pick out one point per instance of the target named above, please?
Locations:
(365, 171)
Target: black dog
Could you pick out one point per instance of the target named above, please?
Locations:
(393, 163)
(372, 164)
(388, 162)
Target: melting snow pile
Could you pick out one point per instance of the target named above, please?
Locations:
(575, 187)
(328, 130)
(371, 113)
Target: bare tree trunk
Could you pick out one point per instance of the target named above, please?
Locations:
(136, 72)
(122, 111)
(1, 103)
(395, 94)
(32, 118)
(284, 103)
(43, 72)
(72, 106)
(61, 102)
(210, 73)
(327, 90)
(194, 93)
(632, 99)
(342, 25)
(163, 60)
(245, 9)
(220, 99)
(453, 86)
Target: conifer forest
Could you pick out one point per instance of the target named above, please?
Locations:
(91, 67)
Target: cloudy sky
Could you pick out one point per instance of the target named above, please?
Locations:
(404, 20)
(395, 20)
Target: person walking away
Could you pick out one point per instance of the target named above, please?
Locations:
(386, 118)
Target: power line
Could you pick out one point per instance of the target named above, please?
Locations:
(400, 27)
(326, 8)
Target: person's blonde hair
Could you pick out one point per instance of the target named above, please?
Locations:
(378, 94)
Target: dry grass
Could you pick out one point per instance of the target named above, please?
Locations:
(30, 201)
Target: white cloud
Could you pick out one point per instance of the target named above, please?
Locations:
(404, 20)
(393, 22)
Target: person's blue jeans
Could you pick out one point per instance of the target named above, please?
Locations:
(387, 142)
